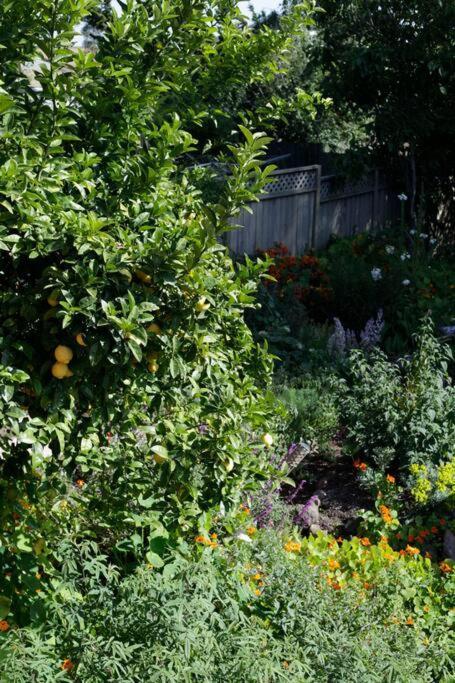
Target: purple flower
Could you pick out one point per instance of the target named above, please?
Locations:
(372, 333)
(203, 428)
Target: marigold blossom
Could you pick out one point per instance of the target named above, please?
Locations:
(4, 625)
(445, 567)
(412, 551)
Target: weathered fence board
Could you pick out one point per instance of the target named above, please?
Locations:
(303, 209)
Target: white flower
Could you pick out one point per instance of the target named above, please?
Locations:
(412, 232)
(423, 235)
(406, 282)
(404, 256)
(376, 274)
(433, 241)
(390, 249)
(402, 197)
(240, 536)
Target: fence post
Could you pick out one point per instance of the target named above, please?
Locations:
(316, 210)
(375, 212)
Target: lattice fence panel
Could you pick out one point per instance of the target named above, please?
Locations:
(333, 186)
(297, 181)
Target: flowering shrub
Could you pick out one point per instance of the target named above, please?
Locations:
(300, 278)
(402, 415)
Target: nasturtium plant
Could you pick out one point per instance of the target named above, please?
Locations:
(132, 395)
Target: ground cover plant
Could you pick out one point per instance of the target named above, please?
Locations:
(276, 608)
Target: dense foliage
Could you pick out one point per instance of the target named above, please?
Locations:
(403, 273)
(401, 415)
(132, 392)
(251, 612)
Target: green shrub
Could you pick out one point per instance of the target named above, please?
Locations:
(254, 612)
(402, 414)
(311, 403)
(131, 391)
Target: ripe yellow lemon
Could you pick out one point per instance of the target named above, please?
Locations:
(202, 305)
(154, 328)
(152, 366)
(143, 277)
(267, 440)
(63, 354)
(80, 339)
(60, 370)
(52, 300)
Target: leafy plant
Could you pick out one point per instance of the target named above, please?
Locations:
(313, 411)
(250, 612)
(402, 414)
(131, 390)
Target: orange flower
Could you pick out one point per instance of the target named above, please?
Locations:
(365, 541)
(256, 577)
(410, 621)
(80, 483)
(434, 529)
(339, 539)
(386, 514)
(412, 551)
(390, 478)
(245, 509)
(213, 536)
(426, 608)
(67, 665)
(402, 552)
(367, 586)
(445, 567)
(257, 591)
(334, 564)
(336, 586)
(4, 626)
(251, 530)
(360, 465)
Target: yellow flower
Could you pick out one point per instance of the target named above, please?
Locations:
(292, 546)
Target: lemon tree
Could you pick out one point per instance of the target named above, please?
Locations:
(132, 396)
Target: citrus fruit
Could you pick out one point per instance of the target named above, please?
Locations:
(60, 370)
(63, 354)
(80, 339)
(143, 277)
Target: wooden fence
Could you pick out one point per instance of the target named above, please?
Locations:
(303, 209)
